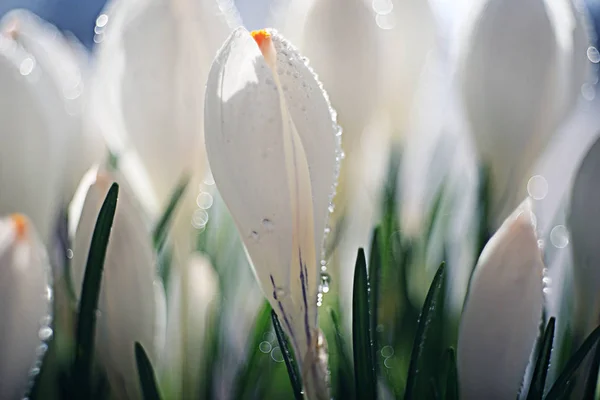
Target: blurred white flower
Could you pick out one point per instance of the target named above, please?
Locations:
(65, 62)
(272, 146)
(190, 320)
(521, 67)
(32, 154)
(583, 217)
(503, 311)
(153, 57)
(25, 304)
(129, 307)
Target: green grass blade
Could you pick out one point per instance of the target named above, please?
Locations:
(339, 357)
(248, 373)
(451, 375)
(290, 364)
(427, 340)
(162, 227)
(562, 383)
(374, 280)
(364, 366)
(538, 379)
(86, 321)
(146, 374)
(592, 378)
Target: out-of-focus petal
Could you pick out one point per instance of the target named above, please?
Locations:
(25, 305)
(503, 311)
(128, 303)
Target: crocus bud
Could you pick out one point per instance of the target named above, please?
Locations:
(64, 61)
(273, 149)
(583, 219)
(128, 306)
(153, 58)
(33, 139)
(503, 311)
(190, 319)
(25, 304)
(520, 67)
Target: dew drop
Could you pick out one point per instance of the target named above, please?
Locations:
(276, 354)
(45, 333)
(27, 66)
(255, 236)
(559, 236)
(268, 224)
(269, 336)
(387, 351)
(325, 282)
(69, 254)
(537, 187)
(102, 20)
(265, 347)
(280, 292)
(204, 200)
(331, 208)
(199, 219)
(593, 54)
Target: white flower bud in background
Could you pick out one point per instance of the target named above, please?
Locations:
(273, 148)
(583, 220)
(190, 320)
(503, 311)
(521, 65)
(25, 305)
(153, 57)
(65, 62)
(32, 155)
(129, 308)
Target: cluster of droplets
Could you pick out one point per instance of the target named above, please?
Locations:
(270, 346)
(325, 278)
(45, 334)
(101, 22)
(204, 201)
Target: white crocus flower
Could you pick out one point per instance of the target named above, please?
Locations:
(129, 307)
(584, 215)
(190, 320)
(522, 62)
(503, 311)
(33, 137)
(24, 304)
(64, 61)
(153, 58)
(272, 146)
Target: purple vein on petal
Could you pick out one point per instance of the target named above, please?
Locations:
(285, 318)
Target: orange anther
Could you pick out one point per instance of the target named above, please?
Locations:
(261, 36)
(20, 223)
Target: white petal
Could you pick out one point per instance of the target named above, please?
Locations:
(259, 164)
(24, 304)
(584, 216)
(315, 122)
(502, 313)
(340, 38)
(127, 301)
(192, 302)
(514, 85)
(33, 139)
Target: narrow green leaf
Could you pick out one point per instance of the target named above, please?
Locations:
(374, 280)
(162, 227)
(562, 383)
(426, 343)
(592, 378)
(343, 373)
(146, 374)
(248, 372)
(290, 364)
(538, 379)
(90, 292)
(364, 366)
(451, 375)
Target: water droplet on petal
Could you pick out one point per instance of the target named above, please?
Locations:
(325, 281)
(255, 236)
(265, 347)
(593, 54)
(537, 187)
(276, 354)
(268, 224)
(559, 236)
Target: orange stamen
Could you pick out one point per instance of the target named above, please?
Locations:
(261, 36)
(20, 223)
